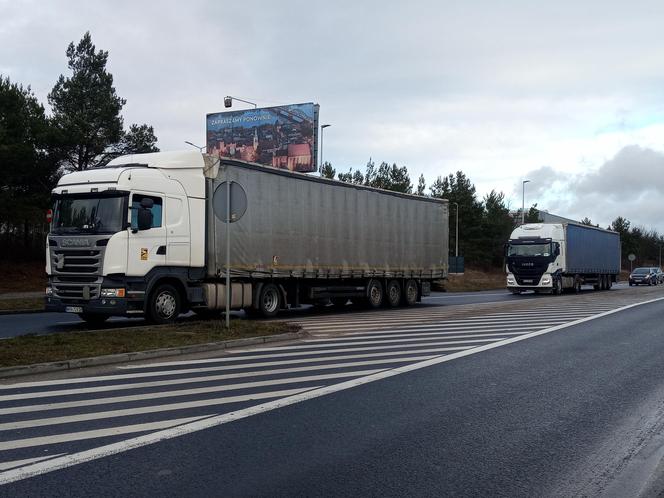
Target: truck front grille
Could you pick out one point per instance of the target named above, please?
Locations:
(76, 273)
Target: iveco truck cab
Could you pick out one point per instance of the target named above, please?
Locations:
(551, 257)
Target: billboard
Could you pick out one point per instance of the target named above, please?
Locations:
(283, 137)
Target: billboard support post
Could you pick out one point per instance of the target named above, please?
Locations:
(322, 127)
(228, 247)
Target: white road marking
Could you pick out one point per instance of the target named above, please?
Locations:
(428, 331)
(199, 390)
(26, 461)
(343, 345)
(163, 373)
(200, 424)
(200, 379)
(94, 434)
(141, 410)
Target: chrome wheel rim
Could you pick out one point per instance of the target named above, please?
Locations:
(394, 294)
(375, 294)
(165, 305)
(411, 293)
(270, 301)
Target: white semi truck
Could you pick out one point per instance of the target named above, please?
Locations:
(552, 257)
(146, 236)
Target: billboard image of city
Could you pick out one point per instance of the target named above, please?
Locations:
(283, 137)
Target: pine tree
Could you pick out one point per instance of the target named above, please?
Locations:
(327, 171)
(86, 108)
(28, 171)
(421, 186)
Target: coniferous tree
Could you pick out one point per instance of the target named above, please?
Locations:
(86, 108)
(421, 186)
(28, 171)
(327, 171)
(86, 112)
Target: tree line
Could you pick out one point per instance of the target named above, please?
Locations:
(485, 224)
(84, 129)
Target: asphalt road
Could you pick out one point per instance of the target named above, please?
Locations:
(49, 323)
(574, 411)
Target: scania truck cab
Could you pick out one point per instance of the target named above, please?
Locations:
(127, 231)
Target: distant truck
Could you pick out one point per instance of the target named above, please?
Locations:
(146, 236)
(552, 257)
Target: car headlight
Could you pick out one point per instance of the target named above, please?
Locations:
(112, 293)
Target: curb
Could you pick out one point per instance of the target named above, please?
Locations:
(58, 366)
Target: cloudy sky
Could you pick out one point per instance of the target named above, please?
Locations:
(568, 94)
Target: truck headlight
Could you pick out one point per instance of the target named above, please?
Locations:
(112, 293)
(510, 280)
(546, 280)
(49, 291)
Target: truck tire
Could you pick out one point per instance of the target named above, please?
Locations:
(557, 288)
(410, 292)
(393, 294)
(375, 294)
(93, 318)
(164, 304)
(269, 301)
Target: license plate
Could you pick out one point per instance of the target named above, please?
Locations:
(527, 281)
(74, 309)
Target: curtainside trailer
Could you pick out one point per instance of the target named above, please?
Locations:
(149, 235)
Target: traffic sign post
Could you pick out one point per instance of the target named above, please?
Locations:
(631, 258)
(229, 204)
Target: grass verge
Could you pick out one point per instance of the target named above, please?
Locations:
(475, 280)
(36, 303)
(29, 349)
(19, 276)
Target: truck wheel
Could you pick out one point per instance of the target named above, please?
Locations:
(375, 294)
(410, 292)
(93, 318)
(393, 294)
(269, 301)
(557, 287)
(164, 304)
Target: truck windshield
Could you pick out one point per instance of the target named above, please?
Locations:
(529, 250)
(77, 214)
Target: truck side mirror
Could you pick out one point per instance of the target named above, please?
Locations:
(556, 249)
(144, 215)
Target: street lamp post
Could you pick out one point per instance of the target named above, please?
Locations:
(322, 127)
(200, 149)
(456, 233)
(523, 201)
(228, 101)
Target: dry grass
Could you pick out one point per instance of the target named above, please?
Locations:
(475, 280)
(22, 276)
(19, 304)
(30, 349)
